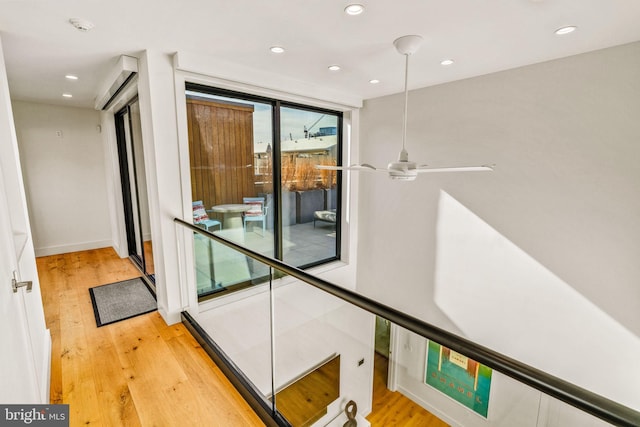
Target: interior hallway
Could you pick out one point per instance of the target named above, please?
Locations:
(135, 372)
(141, 371)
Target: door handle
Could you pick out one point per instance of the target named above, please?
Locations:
(15, 284)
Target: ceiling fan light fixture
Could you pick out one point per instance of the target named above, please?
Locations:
(403, 174)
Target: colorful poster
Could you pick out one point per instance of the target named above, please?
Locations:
(459, 377)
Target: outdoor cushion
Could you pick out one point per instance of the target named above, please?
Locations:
(255, 209)
(328, 216)
(199, 213)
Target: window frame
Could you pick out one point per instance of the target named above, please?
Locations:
(276, 106)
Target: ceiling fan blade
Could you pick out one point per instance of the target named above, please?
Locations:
(364, 166)
(330, 168)
(482, 168)
(367, 166)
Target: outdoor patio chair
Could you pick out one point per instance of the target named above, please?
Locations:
(201, 218)
(257, 212)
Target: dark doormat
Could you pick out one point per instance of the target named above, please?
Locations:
(121, 300)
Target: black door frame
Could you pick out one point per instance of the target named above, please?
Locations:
(126, 184)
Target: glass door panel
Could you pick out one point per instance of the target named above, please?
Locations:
(134, 187)
(230, 153)
(141, 187)
(309, 195)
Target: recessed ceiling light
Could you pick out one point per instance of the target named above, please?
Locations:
(277, 49)
(565, 30)
(374, 81)
(71, 77)
(446, 62)
(334, 67)
(67, 95)
(354, 9)
(81, 24)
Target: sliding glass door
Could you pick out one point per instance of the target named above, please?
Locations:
(254, 181)
(134, 187)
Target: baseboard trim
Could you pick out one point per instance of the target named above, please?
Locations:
(435, 411)
(45, 383)
(170, 318)
(74, 247)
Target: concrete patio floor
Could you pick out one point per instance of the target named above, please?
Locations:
(219, 267)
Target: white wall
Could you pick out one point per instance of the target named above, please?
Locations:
(556, 225)
(160, 143)
(63, 165)
(510, 403)
(163, 114)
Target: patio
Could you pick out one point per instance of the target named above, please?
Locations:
(219, 268)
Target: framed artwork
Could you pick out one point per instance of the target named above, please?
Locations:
(462, 379)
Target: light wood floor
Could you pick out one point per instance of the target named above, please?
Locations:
(138, 372)
(141, 372)
(392, 409)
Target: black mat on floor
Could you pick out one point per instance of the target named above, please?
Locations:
(121, 300)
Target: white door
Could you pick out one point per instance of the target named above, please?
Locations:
(19, 379)
(26, 344)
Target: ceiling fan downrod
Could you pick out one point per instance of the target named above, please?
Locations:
(406, 45)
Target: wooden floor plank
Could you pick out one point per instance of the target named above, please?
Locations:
(78, 381)
(140, 371)
(186, 348)
(392, 409)
(135, 372)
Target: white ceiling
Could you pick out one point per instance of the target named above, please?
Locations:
(482, 36)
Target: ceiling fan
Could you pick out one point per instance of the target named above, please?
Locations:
(403, 168)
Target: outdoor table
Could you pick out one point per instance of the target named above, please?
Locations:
(231, 214)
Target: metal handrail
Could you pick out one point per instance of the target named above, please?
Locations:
(578, 397)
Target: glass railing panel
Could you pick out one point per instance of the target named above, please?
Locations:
(458, 390)
(219, 269)
(238, 322)
(323, 355)
(554, 413)
(292, 340)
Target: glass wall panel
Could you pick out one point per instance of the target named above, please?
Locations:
(320, 359)
(220, 269)
(438, 381)
(230, 145)
(233, 143)
(323, 355)
(241, 327)
(134, 187)
(141, 180)
(309, 195)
